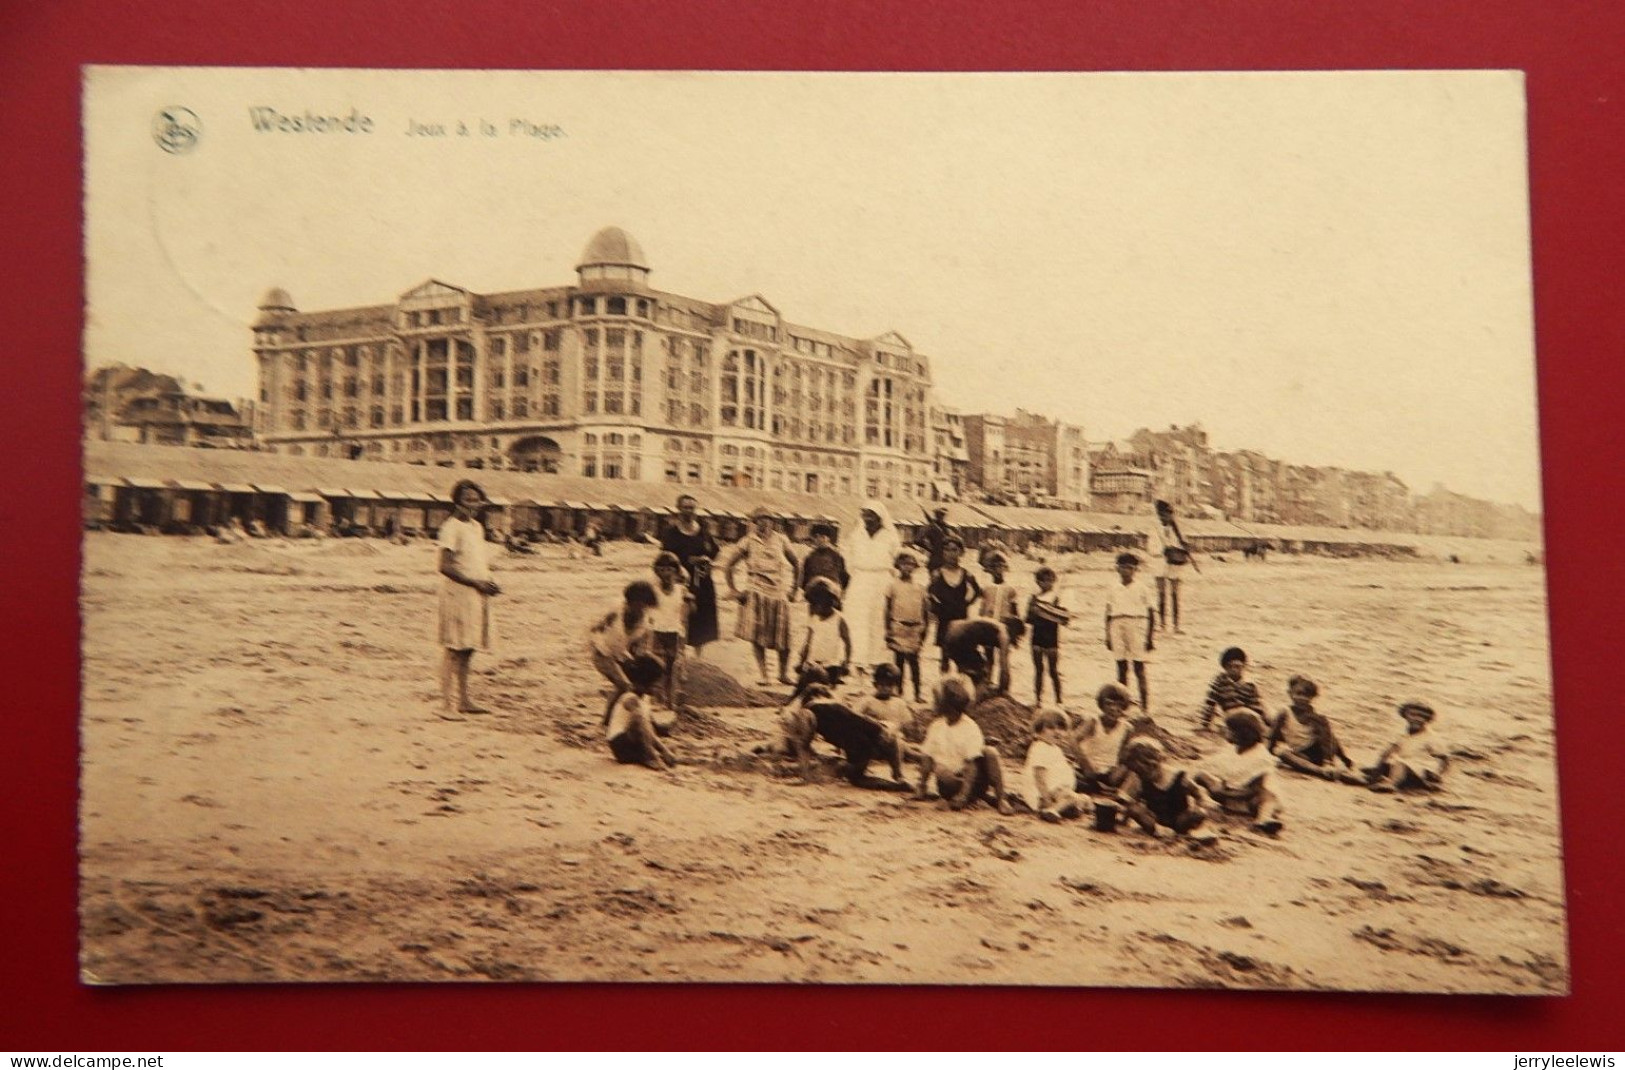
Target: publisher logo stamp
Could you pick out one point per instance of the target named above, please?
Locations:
(177, 129)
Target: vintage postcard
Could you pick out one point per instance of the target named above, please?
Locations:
(1047, 529)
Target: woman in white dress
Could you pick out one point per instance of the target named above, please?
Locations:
(871, 553)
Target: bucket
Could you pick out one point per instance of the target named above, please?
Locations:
(1106, 811)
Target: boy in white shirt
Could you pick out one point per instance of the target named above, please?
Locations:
(1243, 781)
(1131, 624)
(955, 761)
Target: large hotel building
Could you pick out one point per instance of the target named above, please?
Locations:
(607, 378)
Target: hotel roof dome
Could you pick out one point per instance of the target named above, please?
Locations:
(276, 297)
(612, 245)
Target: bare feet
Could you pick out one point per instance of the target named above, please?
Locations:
(1005, 808)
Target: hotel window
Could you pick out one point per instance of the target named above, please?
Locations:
(696, 473)
(674, 472)
(377, 416)
(617, 306)
(298, 421)
(521, 407)
(550, 341)
(496, 409)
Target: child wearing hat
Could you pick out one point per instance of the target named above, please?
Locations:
(1417, 760)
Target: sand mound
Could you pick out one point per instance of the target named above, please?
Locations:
(707, 685)
(1005, 723)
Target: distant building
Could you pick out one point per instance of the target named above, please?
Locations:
(1028, 458)
(124, 404)
(951, 457)
(607, 378)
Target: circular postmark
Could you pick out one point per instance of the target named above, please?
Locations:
(176, 129)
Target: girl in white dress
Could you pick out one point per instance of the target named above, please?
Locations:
(466, 590)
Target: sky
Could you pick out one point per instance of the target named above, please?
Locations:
(1331, 268)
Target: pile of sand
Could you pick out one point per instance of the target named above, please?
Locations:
(707, 686)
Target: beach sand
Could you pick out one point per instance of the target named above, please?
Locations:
(268, 795)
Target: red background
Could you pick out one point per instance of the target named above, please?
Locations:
(1571, 51)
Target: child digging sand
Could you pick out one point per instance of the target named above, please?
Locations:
(815, 714)
(955, 761)
(1416, 760)
(621, 635)
(1242, 781)
(1303, 739)
(629, 729)
(1044, 783)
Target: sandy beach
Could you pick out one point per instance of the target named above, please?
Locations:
(267, 795)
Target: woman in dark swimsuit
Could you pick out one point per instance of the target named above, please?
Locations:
(696, 549)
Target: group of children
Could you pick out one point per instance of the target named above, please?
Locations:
(1106, 762)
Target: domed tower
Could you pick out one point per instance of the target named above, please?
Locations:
(613, 260)
(275, 305)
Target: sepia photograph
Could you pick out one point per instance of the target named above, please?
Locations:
(970, 529)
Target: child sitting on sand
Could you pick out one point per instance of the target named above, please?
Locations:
(1302, 737)
(1229, 691)
(955, 761)
(887, 709)
(908, 616)
(1097, 742)
(1159, 796)
(629, 729)
(1044, 783)
(826, 642)
(1242, 781)
(1417, 760)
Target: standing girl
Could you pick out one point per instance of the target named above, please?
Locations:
(466, 590)
(907, 617)
(952, 592)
